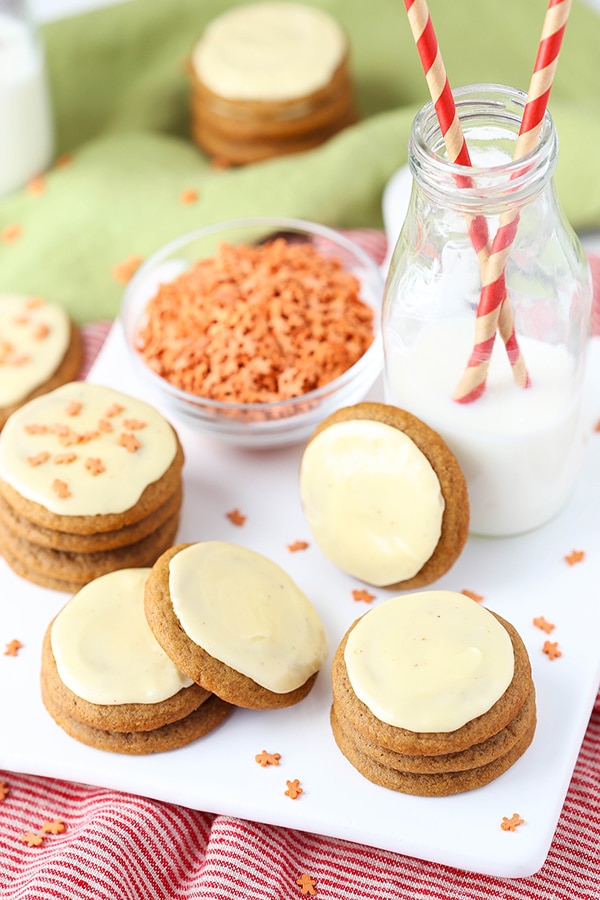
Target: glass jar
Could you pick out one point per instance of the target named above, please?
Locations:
(26, 132)
(520, 447)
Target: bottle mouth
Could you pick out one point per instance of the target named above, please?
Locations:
(490, 116)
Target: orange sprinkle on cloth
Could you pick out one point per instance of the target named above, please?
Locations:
(512, 823)
(476, 597)
(36, 186)
(256, 324)
(11, 233)
(307, 884)
(13, 647)
(541, 623)
(363, 595)
(293, 789)
(574, 557)
(236, 517)
(551, 650)
(124, 271)
(55, 827)
(297, 545)
(4, 790)
(31, 839)
(267, 759)
(189, 196)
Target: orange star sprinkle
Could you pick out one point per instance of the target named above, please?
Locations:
(306, 883)
(125, 270)
(55, 827)
(95, 466)
(267, 759)
(64, 459)
(236, 517)
(293, 789)
(297, 545)
(11, 233)
(540, 622)
(574, 557)
(114, 410)
(31, 839)
(39, 458)
(61, 488)
(512, 823)
(363, 595)
(13, 647)
(129, 441)
(73, 408)
(4, 790)
(133, 424)
(476, 597)
(189, 196)
(550, 648)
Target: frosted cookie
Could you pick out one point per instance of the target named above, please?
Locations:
(384, 497)
(107, 682)
(235, 623)
(85, 461)
(432, 694)
(269, 79)
(40, 349)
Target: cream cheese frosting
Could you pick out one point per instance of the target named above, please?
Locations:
(85, 449)
(429, 661)
(34, 336)
(245, 611)
(372, 500)
(269, 51)
(104, 649)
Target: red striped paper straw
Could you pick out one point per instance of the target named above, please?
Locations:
(454, 140)
(493, 310)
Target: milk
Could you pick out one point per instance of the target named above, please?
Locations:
(520, 449)
(25, 120)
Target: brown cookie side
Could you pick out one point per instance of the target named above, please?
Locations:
(414, 743)
(122, 717)
(214, 675)
(453, 485)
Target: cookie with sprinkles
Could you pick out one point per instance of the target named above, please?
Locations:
(90, 480)
(40, 349)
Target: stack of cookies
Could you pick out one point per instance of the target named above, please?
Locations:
(40, 349)
(106, 681)
(432, 695)
(269, 79)
(90, 481)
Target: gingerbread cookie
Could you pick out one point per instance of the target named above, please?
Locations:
(384, 497)
(40, 349)
(107, 682)
(235, 623)
(432, 694)
(90, 480)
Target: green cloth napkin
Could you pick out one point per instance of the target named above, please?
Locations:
(120, 96)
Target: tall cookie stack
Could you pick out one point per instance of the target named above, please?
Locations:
(269, 79)
(433, 695)
(90, 481)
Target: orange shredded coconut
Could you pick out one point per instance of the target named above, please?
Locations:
(31, 839)
(257, 324)
(4, 790)
(129, 441)
(55, 827)
(473, 596)
(293, 789)
(95, 466)
(551, 650)
(267, 759)
(511, 824)
(39, 458)
(543, 624)
(189, 196)
(11, 233)
(61, 489)
(36, 186)
(125, 270)
(574, 557)
(307, 884)
(13, 647)
(297, 545)
(236, 517)
(363, 595)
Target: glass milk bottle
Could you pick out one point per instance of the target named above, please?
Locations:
(520, 447)
(26, 134)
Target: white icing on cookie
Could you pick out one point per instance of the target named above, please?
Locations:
(429, 661)
(372, 500)
(85, 450)
(104, 649)
(269, 51)
(248, 613)
(34, 337)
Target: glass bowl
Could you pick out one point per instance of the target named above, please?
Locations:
(267, 424)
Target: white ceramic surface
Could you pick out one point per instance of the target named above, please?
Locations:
(519, 577)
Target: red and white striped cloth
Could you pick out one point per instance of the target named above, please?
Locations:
(117, 846)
